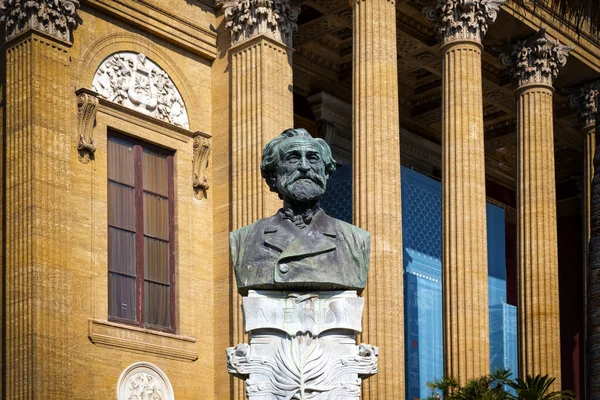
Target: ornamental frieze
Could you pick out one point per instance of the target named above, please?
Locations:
(57, 18)
(134, 81)
(247, 19)
(536, 60)
(461, 19)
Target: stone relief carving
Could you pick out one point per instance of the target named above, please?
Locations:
(201, 153)
(87, 106)
(461, 19)
(144, 381)
(587, 103)
(57, 18)
(291, 357)
(536, 60)
(134, 81)
(247, 19)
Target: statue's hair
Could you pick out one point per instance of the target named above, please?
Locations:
(270, 156)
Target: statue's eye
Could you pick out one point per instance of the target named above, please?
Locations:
(314, 157)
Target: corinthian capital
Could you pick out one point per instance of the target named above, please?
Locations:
(249, 18)
(587, 102)
(461, 19)
(57, 18)
(536, 60)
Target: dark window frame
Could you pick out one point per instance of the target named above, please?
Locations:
(138, 147)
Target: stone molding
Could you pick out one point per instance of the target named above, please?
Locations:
(461, 19)
(56, 18)
(134, 81)
(144, 380)
(202, 150)
(334, 123)
(87, 107)
(247, 19)
(144, 341)
(587, 102)
(536, 60)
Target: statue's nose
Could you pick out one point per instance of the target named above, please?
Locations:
(304, 165)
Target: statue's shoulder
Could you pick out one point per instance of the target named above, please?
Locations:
(348, 229)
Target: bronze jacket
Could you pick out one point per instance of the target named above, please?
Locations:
(274, 254)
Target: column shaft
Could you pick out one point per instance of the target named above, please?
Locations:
(261, 108)
(38, 293)
(376, 188)
(464, 237)
(537, 252)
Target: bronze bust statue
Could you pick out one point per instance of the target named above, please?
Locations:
(300, 247)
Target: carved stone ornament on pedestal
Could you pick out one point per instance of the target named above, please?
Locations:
(536, 60)
(134, 81)
(299, 273)
(87, 107)
(587, 102)
(461, 19)
(302, 346)
(57, 18)
(247, 19)
(144, 381)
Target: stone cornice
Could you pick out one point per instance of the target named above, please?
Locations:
(56, 18)
(247, 19)
(461, 19)
(536, 60)
(587, 103)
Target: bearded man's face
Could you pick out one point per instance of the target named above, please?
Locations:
(301, 173)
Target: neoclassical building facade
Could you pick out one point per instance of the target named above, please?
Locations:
(132, 138)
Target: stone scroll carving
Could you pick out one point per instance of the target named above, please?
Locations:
(461, 19)
(536, 60)
(87, 106)
(247, 19)
(201, 153)
(134, 81)
(57, 18)
(144, 381)
(302, 346)
(586, 101)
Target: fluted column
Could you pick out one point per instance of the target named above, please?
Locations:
(535, 63)
(261, 108)
(376, 188)
(38, 143)
(461, 26)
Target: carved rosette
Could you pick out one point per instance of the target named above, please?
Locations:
(57, 18)
(247, 19)
(462, 19)
(134, 81)
(536, 60)
(200, 165)
(587, 103)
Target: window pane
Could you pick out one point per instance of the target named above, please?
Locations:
(156, 216)
(121, 206)
(156, 260)
(120, 161)
(155, 172)
(121, 251)
(121, 300)
(156, 304)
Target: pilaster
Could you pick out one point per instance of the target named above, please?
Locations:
(461, 27)
(38, 143)
(376, 188)
(535, 64)
(261, 108)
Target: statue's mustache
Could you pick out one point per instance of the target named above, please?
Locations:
(313, 176)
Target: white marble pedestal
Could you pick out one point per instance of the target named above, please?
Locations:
(302, 346)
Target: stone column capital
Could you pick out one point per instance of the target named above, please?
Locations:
(587, 102)
(537, 60)
(56, 18)
(247, 19)
(461, 20)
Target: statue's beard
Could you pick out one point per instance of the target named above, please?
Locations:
(303, 188)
